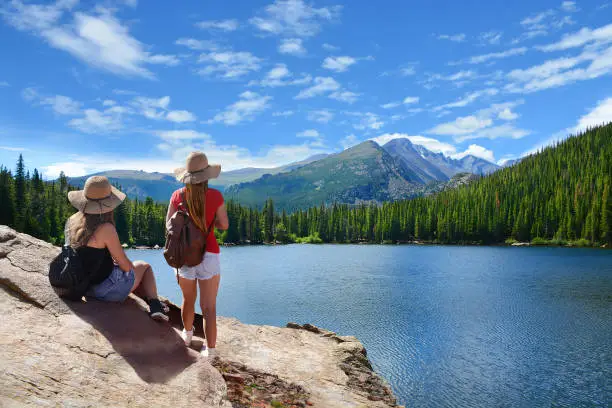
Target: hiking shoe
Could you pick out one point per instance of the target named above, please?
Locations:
(208, 352)
(187, 335)
(157, 311)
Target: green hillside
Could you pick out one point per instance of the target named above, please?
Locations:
(362, 173)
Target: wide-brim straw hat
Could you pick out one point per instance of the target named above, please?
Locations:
(97, 197)
(197, 170)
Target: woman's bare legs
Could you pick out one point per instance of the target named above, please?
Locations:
(208, 303)
(144, 282)
(190, 292)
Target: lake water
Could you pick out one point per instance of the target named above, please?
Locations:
(447, 326)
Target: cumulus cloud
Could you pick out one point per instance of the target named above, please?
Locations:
(490, 37)
(454, 38)
(467, 99)
(479, 59)
(476, 151)
(221, 25)
(292, 46)
(322, 85)
(99, 40)
(320, 116)
(197, 45)
(294, 18)
(60, 104)
(281, 76)
(585, 36)
(229, 64)
(249, 105)
(344, 96)
(338, 64)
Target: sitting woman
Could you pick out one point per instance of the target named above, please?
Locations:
(91, 232)
(207, 211)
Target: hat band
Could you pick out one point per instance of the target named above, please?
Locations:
(100, 201)
(198, 171)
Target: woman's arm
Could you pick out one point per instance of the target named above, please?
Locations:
(108, 235)
(171, 211)
(222, 221)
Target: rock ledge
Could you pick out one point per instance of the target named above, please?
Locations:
(59, 353)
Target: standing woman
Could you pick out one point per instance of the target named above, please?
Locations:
(207, 211)
(92, 234)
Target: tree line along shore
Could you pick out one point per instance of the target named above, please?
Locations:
(560, 196)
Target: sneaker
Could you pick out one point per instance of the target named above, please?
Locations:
(208, 352)
(187, 335)
(156, 311)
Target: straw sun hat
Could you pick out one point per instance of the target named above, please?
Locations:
(97, 197)
(197, 170)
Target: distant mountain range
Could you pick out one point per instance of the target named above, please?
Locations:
(363, 173)
(366, 172)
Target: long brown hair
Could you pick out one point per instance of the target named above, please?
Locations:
(82, 226)
(195, 195)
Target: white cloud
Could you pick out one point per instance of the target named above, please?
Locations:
(246, 108)
(599, 115)
(292, 46)
(309, 133)
(349, 141)
(344, 96)
(4, 84)
(476, 151)
(367, 120)
(96, 121)
(197, 45)
(467, 99)
(329, 47)
(490, 37)
(283, 114)
(221, 25)
(411, 100)
(281, 76)
(534, 22)
(229, 64)
(180, 116)
(60, 104)
(98, 40)
(461, 126)
(322, 85)
(590, 64)
(479, 59)
(390, 105)
(408, 71)
(294, 17)
(338, 64)
(151, 108)
(482, 124)
(569, 6)
(320, 116)
(598, 36)
(507, 130)
(454, 38)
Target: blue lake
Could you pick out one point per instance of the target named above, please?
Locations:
(447, 326)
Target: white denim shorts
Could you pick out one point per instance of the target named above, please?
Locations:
(209, 267)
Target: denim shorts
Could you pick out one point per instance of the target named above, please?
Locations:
(209, 267)
(115, 288)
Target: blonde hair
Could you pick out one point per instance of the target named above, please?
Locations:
(195, 196)
(83, 226)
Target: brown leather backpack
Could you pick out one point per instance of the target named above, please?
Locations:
(185, 242)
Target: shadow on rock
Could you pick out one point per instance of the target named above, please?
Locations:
(155, 350)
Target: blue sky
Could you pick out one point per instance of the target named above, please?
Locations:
(91, 86)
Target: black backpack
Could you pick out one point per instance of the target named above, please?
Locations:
(66, 273)
(67, 276)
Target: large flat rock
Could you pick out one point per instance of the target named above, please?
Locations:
(83, 354)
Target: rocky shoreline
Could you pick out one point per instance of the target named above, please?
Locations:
(59, 353)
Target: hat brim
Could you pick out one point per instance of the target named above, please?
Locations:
(88, 206)
(185, 177)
